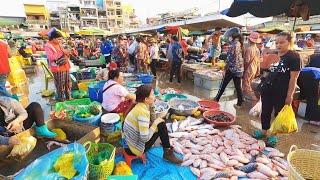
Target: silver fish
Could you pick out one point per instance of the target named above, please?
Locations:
(178, 134)
(197, 163)
(188, 162)
(266, 170)
(195, 171)
(203, 164)
(175, 126)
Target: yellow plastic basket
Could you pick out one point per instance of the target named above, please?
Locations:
(105, 168)
(303, 164)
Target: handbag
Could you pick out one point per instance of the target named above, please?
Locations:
(267, 81)
(61, 61)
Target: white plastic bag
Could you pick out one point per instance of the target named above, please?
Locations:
(256, 110)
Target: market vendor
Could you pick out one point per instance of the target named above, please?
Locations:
(116, 98)
(140, 133)
(58, 59)
(9, 140)
(14, 118)
(308, 82)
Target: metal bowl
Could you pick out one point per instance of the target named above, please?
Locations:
(164, 112)
(183, 107)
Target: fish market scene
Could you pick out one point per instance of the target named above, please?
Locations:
(160, 90)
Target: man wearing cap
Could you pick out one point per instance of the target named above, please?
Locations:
(251, 65)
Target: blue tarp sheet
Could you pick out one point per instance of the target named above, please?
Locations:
(158, 169)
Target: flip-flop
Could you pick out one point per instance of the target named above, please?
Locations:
(272, 141)
(258, 134)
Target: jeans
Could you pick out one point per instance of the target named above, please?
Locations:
(175, 70)
(237, 82)
(153, 65)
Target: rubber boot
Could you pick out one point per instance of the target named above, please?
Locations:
(43, 131)
(170, 156)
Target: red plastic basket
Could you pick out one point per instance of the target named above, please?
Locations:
(206, 105)
(217, 112)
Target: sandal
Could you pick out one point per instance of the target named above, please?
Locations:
(272, 141)
(258, 135)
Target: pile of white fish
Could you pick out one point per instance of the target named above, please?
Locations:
(224, 154)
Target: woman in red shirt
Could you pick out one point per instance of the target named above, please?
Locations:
(58, 59)
(4, 66)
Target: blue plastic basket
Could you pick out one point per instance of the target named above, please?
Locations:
(145, 78)
(94, 120)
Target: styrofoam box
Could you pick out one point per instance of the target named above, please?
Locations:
(209, 83)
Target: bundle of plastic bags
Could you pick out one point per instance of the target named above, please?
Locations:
(68, 162)
(256, 110)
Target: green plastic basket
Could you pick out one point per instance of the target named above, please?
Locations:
(105, 168)
(72, 104)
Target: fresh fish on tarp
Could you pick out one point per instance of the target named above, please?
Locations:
(169, 127)
(175, 126)
(195, 171)
(208, 175)
(221, 175)
(266, 170)
(249, 167)
(257, 175)
(178, 134)
(228, 153)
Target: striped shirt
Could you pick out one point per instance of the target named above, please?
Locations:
(137, 130)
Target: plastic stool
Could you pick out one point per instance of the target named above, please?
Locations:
(128, 158)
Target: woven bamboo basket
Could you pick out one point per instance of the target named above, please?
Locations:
(303, 164)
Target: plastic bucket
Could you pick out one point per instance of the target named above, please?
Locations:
(95, 91)
(110, 123)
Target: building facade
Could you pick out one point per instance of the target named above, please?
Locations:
(37, 16)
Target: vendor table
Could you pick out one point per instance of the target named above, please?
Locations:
(92, 63)
(75, 131)
(189, 69)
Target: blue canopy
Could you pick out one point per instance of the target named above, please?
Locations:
(267, 8)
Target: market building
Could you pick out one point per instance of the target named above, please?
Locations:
(12, 14)
(37, 16)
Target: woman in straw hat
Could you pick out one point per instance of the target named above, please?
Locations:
(251, 65)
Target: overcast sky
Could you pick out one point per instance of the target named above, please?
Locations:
(150, 8)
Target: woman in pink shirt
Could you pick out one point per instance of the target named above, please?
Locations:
(116, 98)
(58, 59)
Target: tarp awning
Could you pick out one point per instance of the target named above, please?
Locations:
(173, 30)
(35, 9)
(267, 8)
(93, 32)
(6, 21)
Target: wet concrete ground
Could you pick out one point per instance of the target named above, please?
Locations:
(307, 135)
